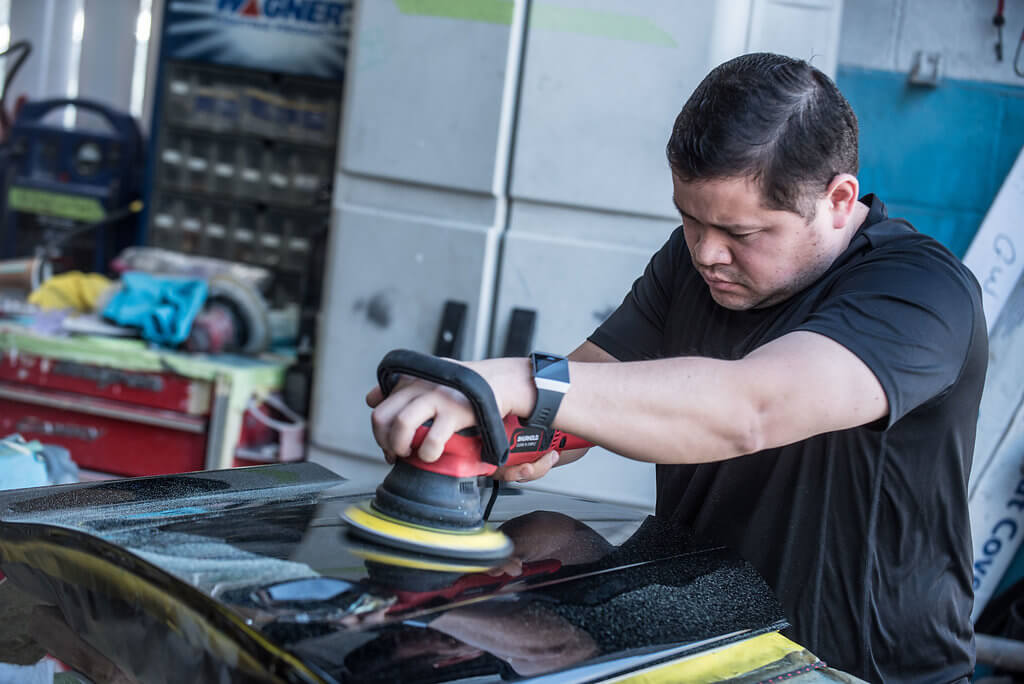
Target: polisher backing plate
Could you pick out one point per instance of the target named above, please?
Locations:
(386, 556)
(483, 544)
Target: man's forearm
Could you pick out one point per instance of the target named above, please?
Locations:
(693, 409)
(681, 410)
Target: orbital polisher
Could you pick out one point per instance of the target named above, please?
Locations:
(437, 507)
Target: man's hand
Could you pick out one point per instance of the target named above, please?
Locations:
(413, 402)
(525, 472)
(396, 418)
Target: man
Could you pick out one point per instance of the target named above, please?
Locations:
(805, 372)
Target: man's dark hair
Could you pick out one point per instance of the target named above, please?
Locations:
(773, 118)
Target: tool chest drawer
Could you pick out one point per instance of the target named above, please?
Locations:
(122, 407)
(165, 390)
(106, 436)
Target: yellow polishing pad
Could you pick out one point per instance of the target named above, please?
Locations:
(379, 554)
(484, 543)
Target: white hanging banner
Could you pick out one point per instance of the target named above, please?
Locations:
(996, 256)
(997, 516)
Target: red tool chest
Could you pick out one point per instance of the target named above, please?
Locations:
(122, 422)
(112, 421)
(155, 390)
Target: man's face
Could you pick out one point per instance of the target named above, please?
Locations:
(750, 256)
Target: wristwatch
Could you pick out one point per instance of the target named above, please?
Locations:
(551, 377)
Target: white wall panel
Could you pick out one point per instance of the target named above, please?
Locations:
(47, 25)
(389, 279)
(807, 29)
(885, 34)
(596, 110)
(108, 52)
(419, 200)
(425, 99)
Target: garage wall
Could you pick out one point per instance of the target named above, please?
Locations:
(95, 49)
(936, 156)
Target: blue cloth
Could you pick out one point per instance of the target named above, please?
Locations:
(60, 469)
(162, 307)
(21, 464)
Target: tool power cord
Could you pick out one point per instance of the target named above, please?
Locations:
(495, 487)
(24, 48)
(1018, 67)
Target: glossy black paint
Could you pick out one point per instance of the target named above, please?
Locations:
(248, 575)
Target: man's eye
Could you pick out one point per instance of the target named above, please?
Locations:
(745, 236)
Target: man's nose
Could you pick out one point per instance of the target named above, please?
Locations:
(711, 249)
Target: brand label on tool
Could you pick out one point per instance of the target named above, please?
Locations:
(526, 440)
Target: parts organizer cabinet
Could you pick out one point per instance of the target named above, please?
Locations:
(125, 409)
(244, 135)
(234, 185)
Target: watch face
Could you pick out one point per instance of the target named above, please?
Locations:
(542, 361)
(550, 366)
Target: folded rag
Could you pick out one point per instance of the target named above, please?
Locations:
(71, 290)
(162, 307)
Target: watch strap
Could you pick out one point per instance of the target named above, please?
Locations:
(547, 405)
(550, 392)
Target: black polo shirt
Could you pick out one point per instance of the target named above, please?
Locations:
(863, 533)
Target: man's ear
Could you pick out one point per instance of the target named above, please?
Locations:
(842, 195)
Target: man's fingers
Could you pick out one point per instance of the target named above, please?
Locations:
(444, 426)
(396, 417)
(407, 421)
(382, 416)
(449, 412)
(376, 395)
(531, 471)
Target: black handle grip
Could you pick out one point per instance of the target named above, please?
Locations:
(466, 381)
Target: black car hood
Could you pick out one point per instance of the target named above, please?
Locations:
(248, 575)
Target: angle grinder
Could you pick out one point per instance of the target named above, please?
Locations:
(437, 507)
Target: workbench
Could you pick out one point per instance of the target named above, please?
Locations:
(124, 407)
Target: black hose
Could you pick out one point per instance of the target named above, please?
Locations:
(1018, 68)
(25, 49)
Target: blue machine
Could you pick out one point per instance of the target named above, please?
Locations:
(71, 191)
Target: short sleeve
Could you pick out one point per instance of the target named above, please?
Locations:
(635, 330)
(910, 313)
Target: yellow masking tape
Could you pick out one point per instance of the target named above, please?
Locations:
(719, 665)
